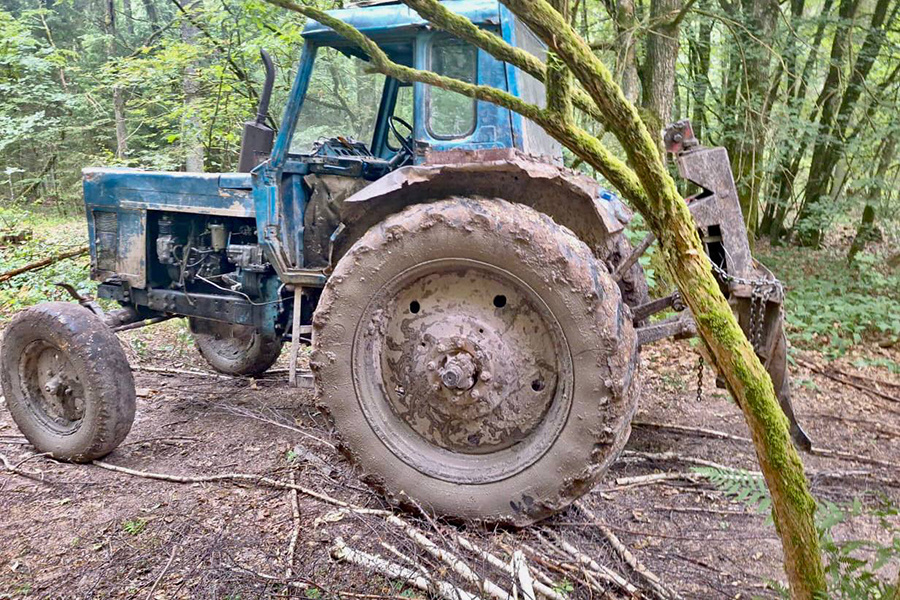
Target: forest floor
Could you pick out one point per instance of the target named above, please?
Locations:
(85, 531)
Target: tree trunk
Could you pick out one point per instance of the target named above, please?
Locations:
(659, 62)
(192, 126)
(118, 93)
(700, 57)
(748, 140)
(129, 17)
(836, 113)
(865, 231)
(121, 128)
(152, 15)
(626, 57)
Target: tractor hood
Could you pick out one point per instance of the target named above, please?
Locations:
(224, 194)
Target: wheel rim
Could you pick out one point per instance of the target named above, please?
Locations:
(51, 387)
(229, 341)
(462, 370)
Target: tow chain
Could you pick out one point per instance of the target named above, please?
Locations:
(700, 379)
(761, 290)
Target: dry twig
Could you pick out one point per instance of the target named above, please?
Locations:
(646, 574)
(340, 551)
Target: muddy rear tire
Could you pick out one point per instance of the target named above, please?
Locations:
(235, 349)
(476, 360)
(67, 381)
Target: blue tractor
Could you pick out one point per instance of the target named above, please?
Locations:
(474, 308)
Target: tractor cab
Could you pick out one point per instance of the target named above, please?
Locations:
(340, 107)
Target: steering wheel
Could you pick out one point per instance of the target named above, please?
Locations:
(406, 141)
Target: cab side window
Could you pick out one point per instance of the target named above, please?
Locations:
(452, 115)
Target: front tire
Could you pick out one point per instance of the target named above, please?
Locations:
(476, 360)
(235, 349)
(67, 381)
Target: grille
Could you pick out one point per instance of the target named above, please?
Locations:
(106, 227)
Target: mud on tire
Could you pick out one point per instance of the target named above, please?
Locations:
(235, 349)
(67, 381)
(401, 393)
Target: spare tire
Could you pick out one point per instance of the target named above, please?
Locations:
(67, 381)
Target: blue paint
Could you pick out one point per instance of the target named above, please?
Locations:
(274, 194)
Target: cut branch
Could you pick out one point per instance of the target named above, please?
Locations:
(45, 262)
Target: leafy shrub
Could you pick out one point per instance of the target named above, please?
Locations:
(850, 565)
(834, 305)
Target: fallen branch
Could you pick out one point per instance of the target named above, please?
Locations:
(637, 566)
(639, 480)
(543, 586)
(604, 572)
(236, 477)
(693, 430)
(190, 372)
(295, 534)
(672, 456)
(45, 262)
(454, 562)
(163, 573)
(853, 384)
(340, 551)
(522, 576)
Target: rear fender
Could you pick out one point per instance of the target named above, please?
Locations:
(569, 198)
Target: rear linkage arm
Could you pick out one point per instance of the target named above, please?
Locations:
(755, 295)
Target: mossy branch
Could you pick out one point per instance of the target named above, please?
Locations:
(464, 29)
(588, 147)
(669, 218)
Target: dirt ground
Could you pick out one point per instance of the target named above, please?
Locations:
(84, 531)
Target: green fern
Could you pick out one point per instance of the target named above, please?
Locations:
(850, 576)
(748, 487)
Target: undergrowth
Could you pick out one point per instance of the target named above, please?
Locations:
(832, 305)
(45, 235)
(851, 566)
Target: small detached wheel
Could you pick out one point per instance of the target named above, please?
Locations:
(235, 349)
(67, 381)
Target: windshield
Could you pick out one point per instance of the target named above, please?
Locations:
(342, 100)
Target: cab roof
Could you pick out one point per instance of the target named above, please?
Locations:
(380, 18)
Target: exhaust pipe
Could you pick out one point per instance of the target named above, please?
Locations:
(257, 138)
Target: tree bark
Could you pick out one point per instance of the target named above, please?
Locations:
(152, 15)
(833, 126)
(700, 52)
(866, 229)
(659, 62)
(649, 187)
(118, 93)
(192, 126)
(626, 56)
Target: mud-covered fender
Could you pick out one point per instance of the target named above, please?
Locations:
(569, 198)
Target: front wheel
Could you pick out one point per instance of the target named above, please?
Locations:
(67, 381)
(235, 349)
(476, 360)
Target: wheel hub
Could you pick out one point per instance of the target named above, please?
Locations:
(52, 386)
(466, 357)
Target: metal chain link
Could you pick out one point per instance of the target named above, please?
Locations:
(761, 290)
(700, 379)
